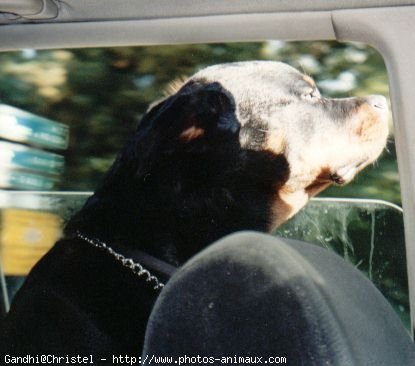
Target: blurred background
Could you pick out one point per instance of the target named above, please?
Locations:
(100, 94)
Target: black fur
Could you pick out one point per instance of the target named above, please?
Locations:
(164, 195)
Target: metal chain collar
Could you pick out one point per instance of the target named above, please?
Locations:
(129, 263)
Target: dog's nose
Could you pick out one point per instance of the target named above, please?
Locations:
(377, 101)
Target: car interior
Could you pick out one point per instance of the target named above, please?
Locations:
(385, 25)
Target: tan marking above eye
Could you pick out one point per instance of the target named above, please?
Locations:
(191, 133)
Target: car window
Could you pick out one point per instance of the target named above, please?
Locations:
(64, 115)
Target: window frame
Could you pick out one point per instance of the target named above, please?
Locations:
(388, 29)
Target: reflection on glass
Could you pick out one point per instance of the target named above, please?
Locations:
(369, 234)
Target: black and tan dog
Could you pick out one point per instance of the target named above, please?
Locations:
(237, 146)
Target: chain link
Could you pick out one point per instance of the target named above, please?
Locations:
(129, 263)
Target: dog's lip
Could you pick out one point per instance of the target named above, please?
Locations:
(346, 173)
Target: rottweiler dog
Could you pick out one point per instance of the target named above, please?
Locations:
(239, 146)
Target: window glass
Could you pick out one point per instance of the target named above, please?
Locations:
(369, 234)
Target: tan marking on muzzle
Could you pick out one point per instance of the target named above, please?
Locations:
(276, 142)
(370, 123)
(289, 201)
(286, 205)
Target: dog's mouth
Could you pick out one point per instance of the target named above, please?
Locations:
(346, 173)
(341, 175)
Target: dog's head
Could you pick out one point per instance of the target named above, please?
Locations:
(243, 146)
(270, 107)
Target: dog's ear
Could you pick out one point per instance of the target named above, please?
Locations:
(200, 117)
(197, 112)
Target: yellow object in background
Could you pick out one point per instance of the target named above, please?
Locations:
(25, 236)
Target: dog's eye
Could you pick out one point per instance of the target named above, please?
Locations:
(312, 95)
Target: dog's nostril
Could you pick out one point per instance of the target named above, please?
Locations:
(377, 101)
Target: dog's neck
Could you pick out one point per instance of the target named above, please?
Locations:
(125, 225)
(176, 212)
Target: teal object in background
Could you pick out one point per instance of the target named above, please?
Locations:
(20, 126)
(26, 162)
(22, 157)
(13, 179)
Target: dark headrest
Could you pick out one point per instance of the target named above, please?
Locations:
(254, 295)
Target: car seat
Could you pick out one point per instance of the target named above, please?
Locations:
(254, 295)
